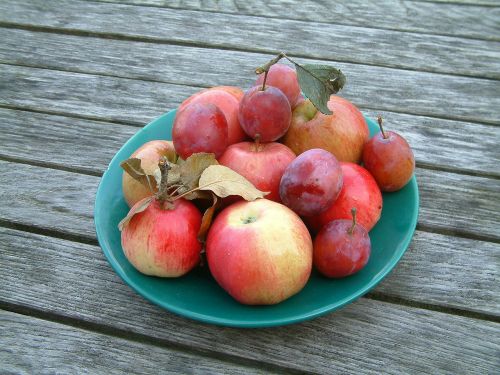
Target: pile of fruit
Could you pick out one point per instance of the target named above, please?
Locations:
(250, 178)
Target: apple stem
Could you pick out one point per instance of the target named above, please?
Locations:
(353, 213)
(263, 88)
(257, 142)
(163, 189)
(379, 120)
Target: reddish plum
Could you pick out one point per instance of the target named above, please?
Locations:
(359, 190)
(265, 114)
(389, 158)
(284, 78)
(341, 248)
(200, 128)
(311, 182)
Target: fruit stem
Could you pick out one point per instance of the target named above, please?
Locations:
(263, 88)
(353, 213)
(163, 189)
(257, 142)
(379, 120)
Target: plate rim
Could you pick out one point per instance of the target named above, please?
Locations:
(186, 313)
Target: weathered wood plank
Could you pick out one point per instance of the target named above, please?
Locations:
(138, 101)
(448, 271)
(32, 345)
(493, 3)
(51, 140)
(427, 17)
(73, 280)
(431, 53)
(448, 201)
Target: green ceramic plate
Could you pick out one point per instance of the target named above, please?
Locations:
(197, 296)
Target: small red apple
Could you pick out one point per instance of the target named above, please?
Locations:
(343, 133)
(389, 158)
(360, 190)
(341, 248)
(163, 241)
(227, 99)
(262, 164)
(150, 154)
(260, 252)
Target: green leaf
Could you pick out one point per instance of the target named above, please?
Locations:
(318, 82)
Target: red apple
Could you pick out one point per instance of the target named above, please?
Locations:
(260, 252)
(227, 99)
(343, 133)
(199, 128)
(163, 242)
(149, 153)
(262, 164)
(389, 158)
(360, 191)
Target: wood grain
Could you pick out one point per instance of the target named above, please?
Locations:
(425, 17)
(138, 101)
(441, 54)
(32, 345)
(73, 280)
(451, 202)
(448, 271)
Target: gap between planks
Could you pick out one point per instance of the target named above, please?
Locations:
(185, 43)
(280, 17)
(141, 338)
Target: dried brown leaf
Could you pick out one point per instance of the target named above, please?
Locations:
(138, 207)
(192, 168)
(206, 221)
(224, 182)
(133, 167)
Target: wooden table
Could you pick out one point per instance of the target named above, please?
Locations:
(78, 78)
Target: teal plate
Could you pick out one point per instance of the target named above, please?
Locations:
(197, 296)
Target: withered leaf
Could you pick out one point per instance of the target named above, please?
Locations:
(192, 168)
(138, 207)
(206, 221)
(224, 182)
(318, 82)
(197, 194)
(133, 167)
